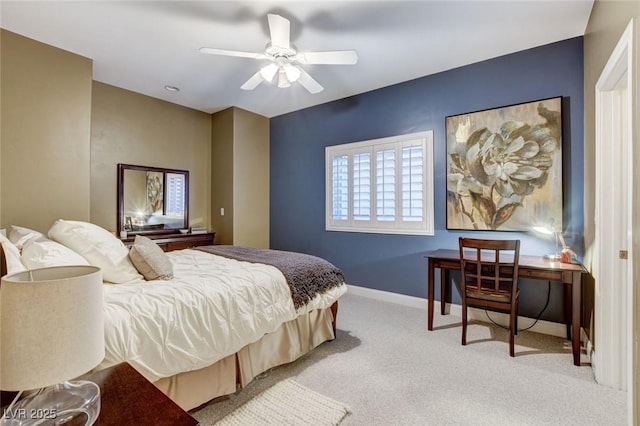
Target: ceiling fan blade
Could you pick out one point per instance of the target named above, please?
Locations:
(309, 83)
(253, 82)
(223, 52)
(336, 57)
(280, 30)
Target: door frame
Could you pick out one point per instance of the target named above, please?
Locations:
(616, 332)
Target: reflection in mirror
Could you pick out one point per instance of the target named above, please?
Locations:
(152, 199)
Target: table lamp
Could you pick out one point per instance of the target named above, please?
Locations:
(51, 330)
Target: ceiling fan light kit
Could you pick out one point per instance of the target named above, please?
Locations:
(267, 72)
(292, 72)
(283, 58)
(283, 82)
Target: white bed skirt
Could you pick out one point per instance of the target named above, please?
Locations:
(288, 343)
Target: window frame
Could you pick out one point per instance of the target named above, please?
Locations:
(374, 225)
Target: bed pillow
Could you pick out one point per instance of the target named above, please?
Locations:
(150, 260)
(11, 255)
(19, 235)
(98, 246)
(44, 253)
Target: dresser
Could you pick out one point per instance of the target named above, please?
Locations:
(169, 242)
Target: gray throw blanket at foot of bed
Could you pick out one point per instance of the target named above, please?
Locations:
(306, 275)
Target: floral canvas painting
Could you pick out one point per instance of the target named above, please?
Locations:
(155, 192)
(504, 168)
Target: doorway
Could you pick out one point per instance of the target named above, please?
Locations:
(615, 356)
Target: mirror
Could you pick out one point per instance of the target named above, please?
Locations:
(152, 200)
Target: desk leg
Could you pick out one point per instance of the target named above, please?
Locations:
(444, 284)
(568, 308)
(576, 310)
(430, 296)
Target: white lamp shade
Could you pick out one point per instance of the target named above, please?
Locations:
(51, 326)
(293, 73)
(267, 72)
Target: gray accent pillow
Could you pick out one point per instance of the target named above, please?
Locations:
(150, 260)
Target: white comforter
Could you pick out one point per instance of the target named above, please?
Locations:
(212, 308)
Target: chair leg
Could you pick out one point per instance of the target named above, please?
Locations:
(513, 321)
(464, 324)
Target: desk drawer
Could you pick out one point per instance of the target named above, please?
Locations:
(540, 274)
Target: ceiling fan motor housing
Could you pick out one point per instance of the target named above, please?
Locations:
(279, 52)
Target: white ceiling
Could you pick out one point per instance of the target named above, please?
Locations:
(144, 45)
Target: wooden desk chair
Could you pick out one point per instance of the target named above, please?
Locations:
(490, 279)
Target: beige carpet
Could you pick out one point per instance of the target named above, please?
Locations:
(389, 370)
(286, 403)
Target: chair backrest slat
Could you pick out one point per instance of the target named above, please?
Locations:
(494, 267)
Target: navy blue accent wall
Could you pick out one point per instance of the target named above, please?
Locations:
(396, 263)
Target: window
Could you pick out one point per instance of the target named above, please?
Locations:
(174, 196)
(383, 185)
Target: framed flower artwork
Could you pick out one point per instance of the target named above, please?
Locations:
(504, 167)
(155, 192)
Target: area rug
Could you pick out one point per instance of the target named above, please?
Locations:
(287, 403)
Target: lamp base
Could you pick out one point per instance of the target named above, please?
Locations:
(552, 256)
(77, 402)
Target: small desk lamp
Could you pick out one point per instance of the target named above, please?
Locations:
(550, 231)
(51, 330)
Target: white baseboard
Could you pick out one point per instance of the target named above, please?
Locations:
(591, 353)
(543, 327)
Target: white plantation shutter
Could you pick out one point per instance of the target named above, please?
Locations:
(383, 185)
(362, 186)
(412, 183)
(386, 184)
(340, 187)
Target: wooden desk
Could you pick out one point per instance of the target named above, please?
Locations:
(534, 267)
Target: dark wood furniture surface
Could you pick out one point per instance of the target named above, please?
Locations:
(489, 271)
(126, 397)
(532, 267)
(169, 242)
(3, 263)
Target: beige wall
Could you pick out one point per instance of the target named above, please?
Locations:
(251, 179)
(63, 134)
(45, 133)
(240, 177)
(131, 128)
(222, 175)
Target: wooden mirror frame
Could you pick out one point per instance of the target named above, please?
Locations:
(120, 192)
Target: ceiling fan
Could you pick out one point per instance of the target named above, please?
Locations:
(285, 60)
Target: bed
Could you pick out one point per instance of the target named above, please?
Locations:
(226, 314)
